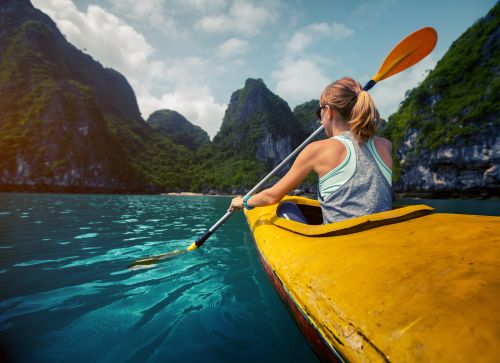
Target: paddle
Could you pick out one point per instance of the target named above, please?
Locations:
(409, 51)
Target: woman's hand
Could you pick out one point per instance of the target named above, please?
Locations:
(236, 203)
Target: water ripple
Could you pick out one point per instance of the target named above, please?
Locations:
(67, 293)
(87, 235)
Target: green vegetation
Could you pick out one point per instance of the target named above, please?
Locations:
(306, 115)
(233, 161)
(459, 98)
(67, 121)
(177, 129)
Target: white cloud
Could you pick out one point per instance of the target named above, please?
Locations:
(232, 47)
(299, 81)
(116, 44)
(298, 42)
(188, 70)
(336, 31)
(307, 35)
(100, 33)
(151, 12)
(300, 78)
(143, 8)
(188, 93)
(243, 18)
(195, 103)
(203, 5)
(391, 92)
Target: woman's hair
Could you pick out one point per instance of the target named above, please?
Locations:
(354, 105)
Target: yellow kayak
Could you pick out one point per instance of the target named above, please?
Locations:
(404, 285)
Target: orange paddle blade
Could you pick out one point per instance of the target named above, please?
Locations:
(409, 51)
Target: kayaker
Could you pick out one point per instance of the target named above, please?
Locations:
(353, 165)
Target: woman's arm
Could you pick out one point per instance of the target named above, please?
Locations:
(302, 166)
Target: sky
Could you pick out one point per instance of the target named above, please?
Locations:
(191, 55)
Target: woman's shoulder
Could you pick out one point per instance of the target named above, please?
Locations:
(330, 142)
(382, 142)
(328, 149)
(384, 149)
(326, 154)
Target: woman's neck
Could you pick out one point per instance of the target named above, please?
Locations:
(340, 128)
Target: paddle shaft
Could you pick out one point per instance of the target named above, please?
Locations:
(199, 241)
(226, 216)
(369, 85)
(408, 52)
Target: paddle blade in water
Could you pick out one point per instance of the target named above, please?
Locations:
(151, 261)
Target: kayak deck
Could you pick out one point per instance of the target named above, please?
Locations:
(422, 288)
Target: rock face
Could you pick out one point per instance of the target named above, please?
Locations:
(259, 125)
(66, 122)
(258, 131)
(446, 133)
(177, 128)
(469, 170)
(305, 113)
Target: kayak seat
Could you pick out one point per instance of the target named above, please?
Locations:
(291, 211)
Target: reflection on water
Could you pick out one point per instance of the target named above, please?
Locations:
(67, 294)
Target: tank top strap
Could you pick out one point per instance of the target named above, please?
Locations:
(386, 171)
(339, 175)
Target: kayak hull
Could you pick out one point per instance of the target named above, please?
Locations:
(403, 285)
(314, 338)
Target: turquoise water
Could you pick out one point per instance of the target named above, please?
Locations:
(66, 293)
(489, 207)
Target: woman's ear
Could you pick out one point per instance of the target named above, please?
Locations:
(331, 112)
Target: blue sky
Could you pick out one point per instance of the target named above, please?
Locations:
(190, 55)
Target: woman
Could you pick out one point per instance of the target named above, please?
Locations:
(354, 166)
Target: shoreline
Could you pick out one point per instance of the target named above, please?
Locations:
(449, 195)
(191, 194)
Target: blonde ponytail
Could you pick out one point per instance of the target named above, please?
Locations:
(354, 105)
(363, 117)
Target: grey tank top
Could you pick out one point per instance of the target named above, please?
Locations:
(366, 192)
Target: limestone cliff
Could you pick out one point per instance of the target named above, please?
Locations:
(66, 122)
(258, 124)
(446, 133)
(258, 131)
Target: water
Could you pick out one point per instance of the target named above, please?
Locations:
(490, 207)
(66, 293)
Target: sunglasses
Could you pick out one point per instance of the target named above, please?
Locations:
(318, 112)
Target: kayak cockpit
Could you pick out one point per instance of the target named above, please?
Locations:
(311, 210)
